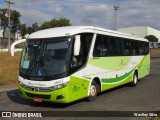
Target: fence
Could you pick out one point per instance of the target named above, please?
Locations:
(154, 44)
(15, 50)
(4, 45)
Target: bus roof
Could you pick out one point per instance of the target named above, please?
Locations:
(72, 30)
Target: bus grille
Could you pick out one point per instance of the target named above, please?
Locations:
(40, 89)
(38, 96)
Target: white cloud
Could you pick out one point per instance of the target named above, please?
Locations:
(142, 13)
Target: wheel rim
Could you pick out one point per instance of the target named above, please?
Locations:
(135, 79)
(92, 90)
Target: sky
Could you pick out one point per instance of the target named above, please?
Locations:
(98, 13)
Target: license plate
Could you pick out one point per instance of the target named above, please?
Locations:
(37, 99)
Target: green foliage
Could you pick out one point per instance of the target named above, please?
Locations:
(47, 24)
(4, 19)
(23, 29)
(151, 38)
(55, 23)
(35, 27)
(14, 20)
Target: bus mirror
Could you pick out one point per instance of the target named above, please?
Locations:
(12, 50)
(77, 45)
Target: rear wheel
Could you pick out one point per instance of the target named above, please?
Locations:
(92, 92)
(135, 79)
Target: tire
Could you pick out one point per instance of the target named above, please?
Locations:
(134, 79)
(93, 92)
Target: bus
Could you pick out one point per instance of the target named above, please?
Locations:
(65, 64)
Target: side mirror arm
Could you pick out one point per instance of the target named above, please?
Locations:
(12, 50)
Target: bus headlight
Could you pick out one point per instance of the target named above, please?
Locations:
(61, 85)
(20, 83)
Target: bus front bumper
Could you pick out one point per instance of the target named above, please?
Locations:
(58, 96)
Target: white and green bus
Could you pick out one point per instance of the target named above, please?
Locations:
(65, 64)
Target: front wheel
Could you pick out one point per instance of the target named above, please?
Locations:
(135, 79)
(92, 92)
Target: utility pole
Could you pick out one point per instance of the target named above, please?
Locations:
(9, 22)
(116, 8)
(0, 36)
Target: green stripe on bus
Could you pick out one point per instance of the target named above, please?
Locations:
(118, 79)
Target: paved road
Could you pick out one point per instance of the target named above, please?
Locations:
(144, 97)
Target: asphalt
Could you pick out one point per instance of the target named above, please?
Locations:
(8, 87)
(144, 97)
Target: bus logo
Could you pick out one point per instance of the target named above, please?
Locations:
(35, 89)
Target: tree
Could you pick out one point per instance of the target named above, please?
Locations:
(23, 29)
(64, 22)
(4, 20)
(14, 20)
(29, 29)
(35, 27)
(55, 23)
(151, 38)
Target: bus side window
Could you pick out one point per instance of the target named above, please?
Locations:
(121, 47)
(112, 46)
(80, 60)
(146, 48)
(105, 43)
(134, 51)
(142, 48)
(86, 39)
(98, 48)
(128, 47)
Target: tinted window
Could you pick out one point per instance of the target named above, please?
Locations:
(115, 46)
(127, 46)
(146, 48)
(98, 48)
(105, 44)
(101, 47)
(135, 50)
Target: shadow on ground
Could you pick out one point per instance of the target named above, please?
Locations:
(13, 95)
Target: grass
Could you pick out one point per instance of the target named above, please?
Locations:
(155, 51)
(9, 67)
(157, 118)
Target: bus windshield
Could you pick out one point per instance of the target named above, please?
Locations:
(45, 58)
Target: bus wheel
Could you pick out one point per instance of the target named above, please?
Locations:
(135, 79)
(92, 92)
